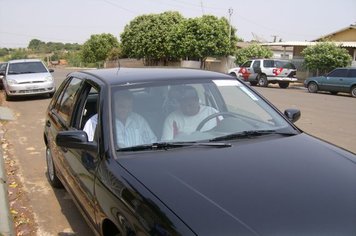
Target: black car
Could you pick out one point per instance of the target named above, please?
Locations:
(190, 152)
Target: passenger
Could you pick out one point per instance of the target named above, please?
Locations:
(190, 114)
(131, 129)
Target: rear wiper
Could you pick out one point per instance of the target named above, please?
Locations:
(250, 134)
(168, 145)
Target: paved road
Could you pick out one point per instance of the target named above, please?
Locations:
(329, 117)
(332, 118)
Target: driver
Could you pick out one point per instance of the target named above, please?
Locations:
(188, 116)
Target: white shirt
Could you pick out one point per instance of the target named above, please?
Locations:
(135, 131)
(177, 123)
(90, 126)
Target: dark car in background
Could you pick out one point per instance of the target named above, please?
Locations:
(245, 169)
(3, 66)
(338, 80)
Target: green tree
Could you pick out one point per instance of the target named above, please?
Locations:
(253, 51)
(36, 44)
(206, 36)
(150, 37)
(98, 47)
(115, 53)
(325, 56)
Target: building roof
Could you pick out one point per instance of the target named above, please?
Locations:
(352, 26)
(305, 43)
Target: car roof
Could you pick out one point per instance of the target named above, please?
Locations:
(24, 60)
(132, 75)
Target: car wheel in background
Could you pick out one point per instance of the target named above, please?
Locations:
(353, 91)
(283, 84)
(312, 87)
(262, 81)
(233, 74)
(51, 170)
(7, 97)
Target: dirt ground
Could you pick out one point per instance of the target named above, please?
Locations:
(22, 214)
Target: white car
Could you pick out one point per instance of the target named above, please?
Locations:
(27, 77)
(264, 71)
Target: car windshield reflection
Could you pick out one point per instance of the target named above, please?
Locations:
(171, 114)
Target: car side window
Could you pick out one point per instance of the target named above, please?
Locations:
(67, 99)
(352, 73)
(247, 64)
(338, 73)
(268, 63)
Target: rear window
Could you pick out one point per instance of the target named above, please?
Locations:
(352, 73)
(338, 73)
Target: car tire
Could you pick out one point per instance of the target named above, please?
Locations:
(283, 84)
(51, 170)
(253, 83)
(353, 91)
(7, 97)
(312, 87)
(262, 81)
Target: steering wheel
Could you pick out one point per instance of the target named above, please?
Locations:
(212, 116)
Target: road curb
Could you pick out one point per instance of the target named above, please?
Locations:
(6, 223)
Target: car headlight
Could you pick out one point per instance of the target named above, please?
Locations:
(11, 81)
(49, 78)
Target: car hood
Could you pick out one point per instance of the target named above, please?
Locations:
(270, 186)
(31, 77)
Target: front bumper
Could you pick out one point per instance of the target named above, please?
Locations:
(30, 88)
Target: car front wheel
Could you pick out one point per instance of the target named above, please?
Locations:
(51, 170)
(312, 87)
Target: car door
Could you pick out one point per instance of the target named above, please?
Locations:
(336, 80)
(256, 70)
(81, 164)
(76, 166)
(245, 71)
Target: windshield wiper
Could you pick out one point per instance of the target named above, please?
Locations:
(250, 134)
(168, 145)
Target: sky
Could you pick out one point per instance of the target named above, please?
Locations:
(74, 21)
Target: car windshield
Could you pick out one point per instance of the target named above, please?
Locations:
(26, 67)
(171, 114)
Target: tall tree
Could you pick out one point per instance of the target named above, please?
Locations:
(253, 51)
(206, 36)
(36, 44)
(98, 47)
(325, 56)
(149, 36)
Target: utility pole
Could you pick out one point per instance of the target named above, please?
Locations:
(230, 14)
(202, 7)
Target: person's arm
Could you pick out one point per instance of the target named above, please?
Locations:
(148, 135)
(90, 127)
(168, 132)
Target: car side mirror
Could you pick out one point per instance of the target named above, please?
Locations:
(292, 114)
(77, 139)
(51, 70)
